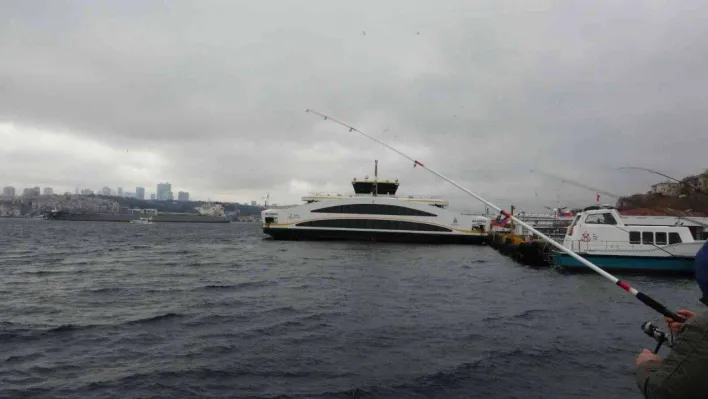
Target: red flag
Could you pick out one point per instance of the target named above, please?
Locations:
(598, 197)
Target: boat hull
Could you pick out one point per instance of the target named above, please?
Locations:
(664, 264)
(377, 236)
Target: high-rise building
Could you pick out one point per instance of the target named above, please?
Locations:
(31, 192)
(140, 193)
(8, 192)
(86, 191)
(163, 191)
(153, 196)
(48, 191)
(76, 191)
(170, 196)
(106, 191)
(254, 203)
(120, 191)
(182, 196)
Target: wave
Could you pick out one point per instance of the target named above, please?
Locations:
(29, 334)
(525, 315)
(68, 327)
(106, 290)
(220, 375)
(23, 333)
(166, 316)
(249, 284)
(215, 319)
(21, 358)
(43, 272)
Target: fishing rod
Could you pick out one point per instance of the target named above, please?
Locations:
(666, 176)
(642, 297)
(616, 196)
(581, 185)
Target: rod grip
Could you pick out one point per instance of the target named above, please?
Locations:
(649, 301)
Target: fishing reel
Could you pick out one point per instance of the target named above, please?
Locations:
(654, 332)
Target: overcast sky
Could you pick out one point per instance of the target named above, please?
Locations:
(211, 95)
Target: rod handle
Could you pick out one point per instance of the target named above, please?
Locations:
(649, 301)
(658, 346)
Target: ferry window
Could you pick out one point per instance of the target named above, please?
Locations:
(660, 238)
(602, 218)
(674, 238)
(331, 209)
(373, 224)
(647, 237)
(373, 209)
(634, 237)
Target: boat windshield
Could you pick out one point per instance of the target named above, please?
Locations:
(575, 221)
(600, 218)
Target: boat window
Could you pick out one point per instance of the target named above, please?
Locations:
(660, 238)
(647, 237)
(601, 218)
(373, 209)
(373, 224)
(635, 237)
(674, 238)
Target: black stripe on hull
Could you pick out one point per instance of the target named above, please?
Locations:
(378, 236)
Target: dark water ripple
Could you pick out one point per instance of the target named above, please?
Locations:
(102, 310)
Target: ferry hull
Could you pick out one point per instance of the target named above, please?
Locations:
(672, 265)
(377, 236)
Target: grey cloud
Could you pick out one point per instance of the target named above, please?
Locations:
(489, 90)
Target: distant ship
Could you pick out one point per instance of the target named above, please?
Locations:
(128, 217)
(211, 210)
(374, 213)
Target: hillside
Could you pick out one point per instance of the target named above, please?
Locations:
(691, 195)
(182, 206)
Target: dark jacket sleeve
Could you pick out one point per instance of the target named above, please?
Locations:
(684, 373)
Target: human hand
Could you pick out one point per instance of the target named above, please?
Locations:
(646, 356)
(675, 326)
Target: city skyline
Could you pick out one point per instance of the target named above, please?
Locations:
(10, 191)
(134, 190)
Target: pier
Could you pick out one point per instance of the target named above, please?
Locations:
(522, 245)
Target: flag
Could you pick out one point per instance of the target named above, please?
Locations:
(598, 197)
(501, 222)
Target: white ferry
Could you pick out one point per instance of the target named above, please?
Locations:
(374, 213)
(147, 220)
(633, 243)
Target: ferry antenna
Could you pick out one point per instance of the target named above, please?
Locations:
(645, 299)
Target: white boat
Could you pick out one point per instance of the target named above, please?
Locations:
(147, 220)
(374, 213)
(639, 243)
(211, 209)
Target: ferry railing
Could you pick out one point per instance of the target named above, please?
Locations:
(378, 195)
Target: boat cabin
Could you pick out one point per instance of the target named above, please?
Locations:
(375, 187)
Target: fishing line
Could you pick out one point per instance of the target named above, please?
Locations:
(645, 299)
